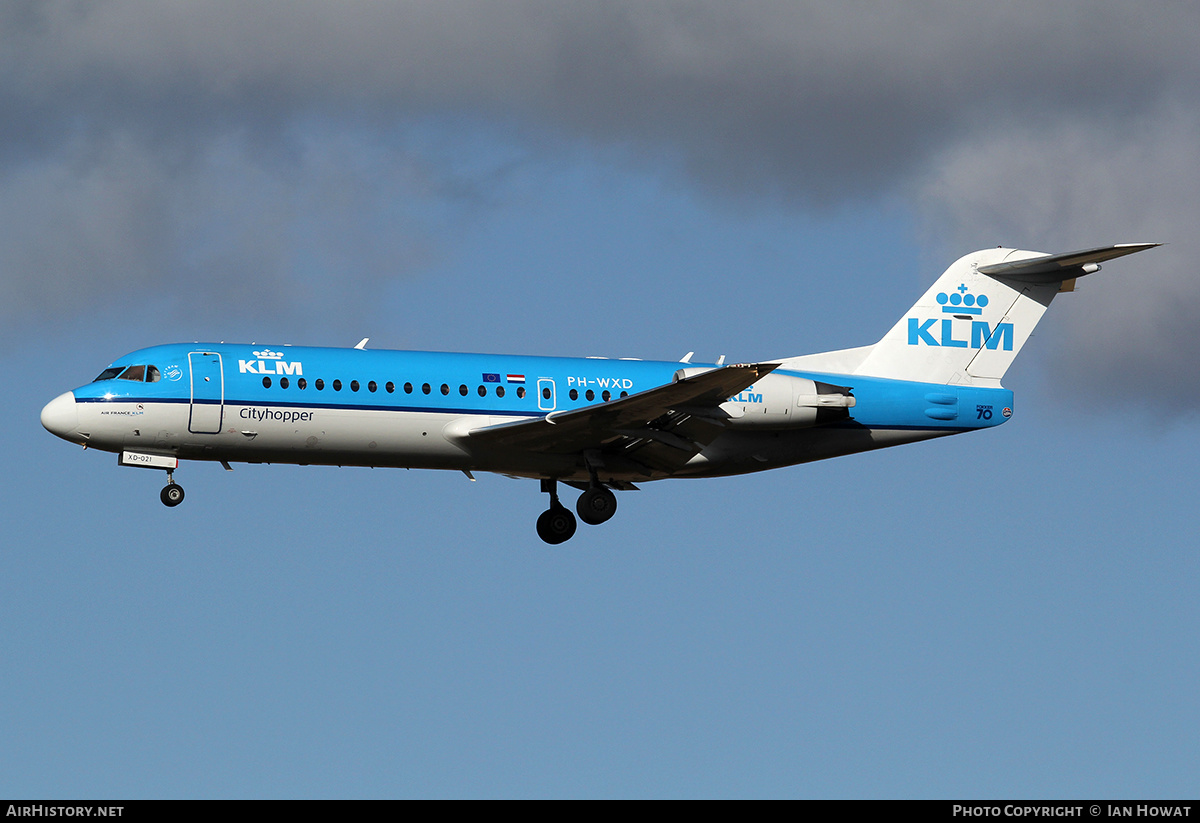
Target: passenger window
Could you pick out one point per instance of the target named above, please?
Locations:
(408, 388)
(606, 396)
(391, 387)
(574, 394)
(483, 391)
(283, 382)
(624, 394)
(463, 389)
(445, 389)
(425, 388)
(546, 393)
(337, 385)
(591, 395)
(372, 386)
(320, 384)
(353, 385)
(302, 384)
(499, 391)
(521, 392)
(266, 382)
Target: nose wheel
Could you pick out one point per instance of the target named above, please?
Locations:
(172, 493)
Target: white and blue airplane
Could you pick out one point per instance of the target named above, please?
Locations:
(592, 423)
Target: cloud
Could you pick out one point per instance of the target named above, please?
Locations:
(1070, 184)
(120, 222)
(806, 100)
(148, 145)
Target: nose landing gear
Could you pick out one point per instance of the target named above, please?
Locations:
(172, 493)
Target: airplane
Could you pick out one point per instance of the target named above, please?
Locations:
(596, 424)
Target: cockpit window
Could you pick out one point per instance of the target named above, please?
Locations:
(109, 374)
(147, 374)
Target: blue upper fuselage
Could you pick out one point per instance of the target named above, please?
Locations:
(442, 382)
(472, 384)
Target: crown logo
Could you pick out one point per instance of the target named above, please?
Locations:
(961, 301)
(267, 354)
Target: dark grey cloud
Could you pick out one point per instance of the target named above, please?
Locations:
(114, 221)
(805, 99)
(1065, 185)
(144, 144)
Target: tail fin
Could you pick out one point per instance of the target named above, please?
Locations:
(972, 322)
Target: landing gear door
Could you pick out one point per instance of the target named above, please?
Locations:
(208, 393)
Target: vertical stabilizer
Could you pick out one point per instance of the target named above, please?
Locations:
(970, 325)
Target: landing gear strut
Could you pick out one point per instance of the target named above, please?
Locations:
(172, 493)
(556, 524)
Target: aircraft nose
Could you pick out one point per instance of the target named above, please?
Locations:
(60, 416)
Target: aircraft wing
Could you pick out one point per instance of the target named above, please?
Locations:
(660, 428)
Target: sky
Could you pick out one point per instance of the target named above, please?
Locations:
(1005, 614)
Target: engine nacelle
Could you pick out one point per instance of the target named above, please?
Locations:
(780, 401)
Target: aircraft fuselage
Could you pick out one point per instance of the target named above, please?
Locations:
(353, 407)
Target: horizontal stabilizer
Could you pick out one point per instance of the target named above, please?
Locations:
(1054, 268)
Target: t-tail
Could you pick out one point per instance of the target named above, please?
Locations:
(970, 325)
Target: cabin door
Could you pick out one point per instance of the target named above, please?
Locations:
(208, 393)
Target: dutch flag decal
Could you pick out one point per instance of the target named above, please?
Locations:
(516, 378)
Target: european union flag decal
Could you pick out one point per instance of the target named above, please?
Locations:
(491, 378)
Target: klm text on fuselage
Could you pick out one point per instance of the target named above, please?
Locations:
(269, 367)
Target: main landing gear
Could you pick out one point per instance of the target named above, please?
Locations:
(596, 505)
(172, 493)
(556, 525)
